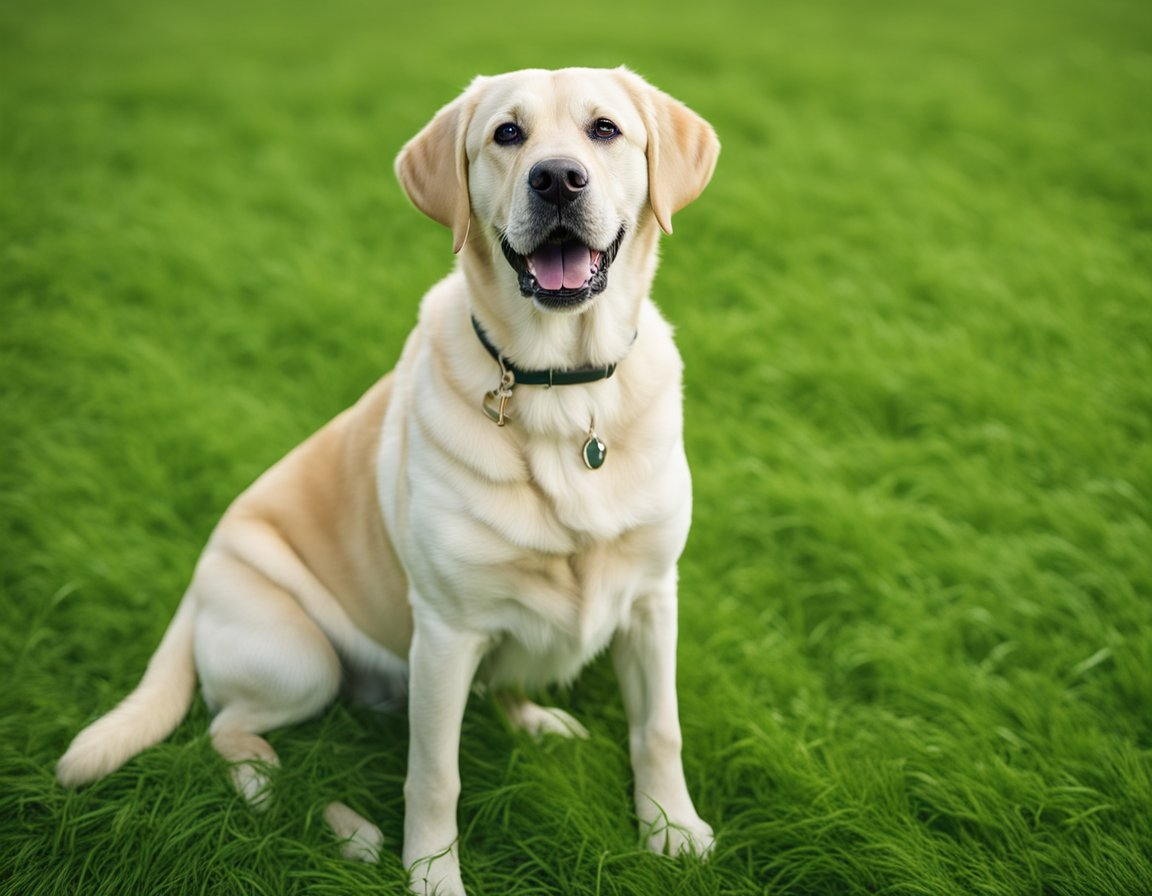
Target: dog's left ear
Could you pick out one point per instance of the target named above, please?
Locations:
(682, 149)
(433, 167)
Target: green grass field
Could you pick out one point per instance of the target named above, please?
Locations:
(916, 311)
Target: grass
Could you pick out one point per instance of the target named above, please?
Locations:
(916, 310)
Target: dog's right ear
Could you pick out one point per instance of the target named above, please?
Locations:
(433, 167)
(682, 149)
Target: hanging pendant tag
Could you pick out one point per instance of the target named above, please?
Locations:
(495, 403)
(594, 451)
(496, 406)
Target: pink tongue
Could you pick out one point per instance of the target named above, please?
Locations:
(566, 266)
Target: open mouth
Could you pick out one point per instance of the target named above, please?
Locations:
(562, 271)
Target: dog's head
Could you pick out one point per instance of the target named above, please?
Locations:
(555, 172)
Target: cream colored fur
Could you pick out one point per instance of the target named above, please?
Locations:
(413, 543)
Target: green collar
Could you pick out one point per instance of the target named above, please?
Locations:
(571, 376)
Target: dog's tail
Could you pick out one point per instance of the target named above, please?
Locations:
(143, 718)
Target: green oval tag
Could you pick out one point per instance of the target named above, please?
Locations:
(594, 453)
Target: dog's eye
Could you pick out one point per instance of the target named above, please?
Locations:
(508, 134)
(604, 129)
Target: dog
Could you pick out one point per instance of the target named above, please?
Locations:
(507, 503)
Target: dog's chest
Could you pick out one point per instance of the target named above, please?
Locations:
(553, 614)
(552, 579)
(505, 530)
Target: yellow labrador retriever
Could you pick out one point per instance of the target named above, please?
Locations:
(504, 505)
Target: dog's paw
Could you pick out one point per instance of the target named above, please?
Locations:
(253, 781)
(541, 720)
(437, 875)
(679, 836)
(361, 840)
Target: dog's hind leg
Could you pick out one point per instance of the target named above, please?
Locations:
(263, 664)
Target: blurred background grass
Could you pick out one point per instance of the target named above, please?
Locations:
(916, 310)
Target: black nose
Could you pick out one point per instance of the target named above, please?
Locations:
(558, 180)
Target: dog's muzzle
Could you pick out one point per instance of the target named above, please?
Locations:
(563, 270)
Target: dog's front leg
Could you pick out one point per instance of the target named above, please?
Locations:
(442, 663)
(644, 654)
